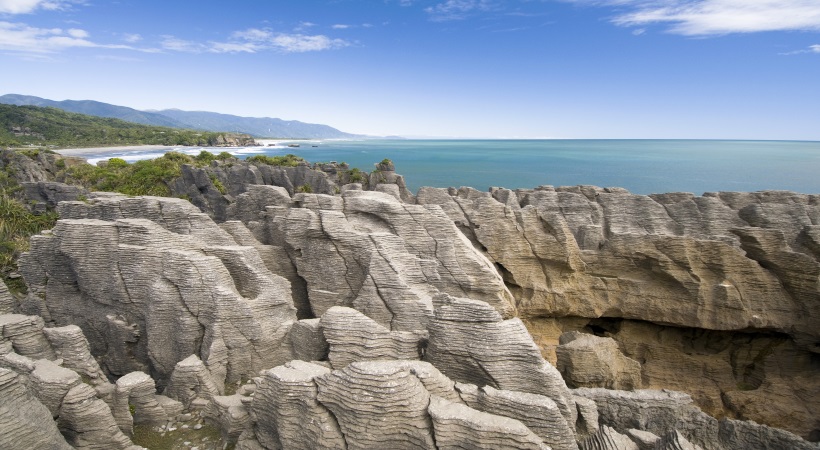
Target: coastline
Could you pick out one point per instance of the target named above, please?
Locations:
(96, 151)
(125, 149)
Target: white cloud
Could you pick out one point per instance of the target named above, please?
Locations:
(340, 26)
(252, 34)
(304, 26)
(132, 38)
(715, 17)
(29, 6)
(300, 43)
(77, 33)
(19, 37)
(811, 49)
(254, 40)
(180, 45)
(457, 9)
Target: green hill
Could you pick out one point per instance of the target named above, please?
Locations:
(23, 126)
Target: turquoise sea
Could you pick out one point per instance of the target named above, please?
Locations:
(642, 166)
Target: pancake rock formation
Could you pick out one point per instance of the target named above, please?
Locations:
(367, 318)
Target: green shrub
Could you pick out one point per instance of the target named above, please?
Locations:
(285, 161)
(223, 156)
(17, 224)
(305, 188)
(217, 184)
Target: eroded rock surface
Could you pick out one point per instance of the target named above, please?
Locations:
(586, 257)
(150, 291)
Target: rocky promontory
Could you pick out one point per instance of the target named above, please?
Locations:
(357, 315)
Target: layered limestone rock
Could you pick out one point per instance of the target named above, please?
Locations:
(191, 381)
(352, 336)
(458, 426)
(662, 412)
(705, 262)
(6, 300)
(470, 342)
(72, 348)
(214, 188)
(87, 423)
(148, 292)
(369, 251)
(608, 439)
(538, 413)
(230, 414)
(586, 360)
(136, 402)
(720, 262)
(287, 413)
(365, 394)
(308, 340)
(25, 334)
(25, 422)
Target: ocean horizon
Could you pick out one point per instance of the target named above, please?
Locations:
(642, 166)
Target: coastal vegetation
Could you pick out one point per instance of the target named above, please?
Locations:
(33, 126)
(17, 225)
(145, 177)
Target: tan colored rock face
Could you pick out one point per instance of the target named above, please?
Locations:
(720, 262)
(724, 262)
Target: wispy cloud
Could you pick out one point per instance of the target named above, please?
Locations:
(132, 38)
(716, 17)
(458, 9)
(30, 6)
(21, 38)
(810, 49)
(340, 26)
(304, 26)
(254, 40)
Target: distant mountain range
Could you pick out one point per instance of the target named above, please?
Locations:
(197, 120)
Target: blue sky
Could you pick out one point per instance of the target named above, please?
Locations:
(724, 69)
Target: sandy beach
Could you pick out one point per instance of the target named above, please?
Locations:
(82, 152)
(126, 149)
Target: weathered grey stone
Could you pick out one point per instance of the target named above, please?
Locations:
(382, 257)
(744, 434)
(26, 335)
(149, 293)
(50, 383)
(352, 336)
(191, 380)
(657, 412)
(586, 360)
(607, 438)
(587, 422)
(70, 345)
(229, 414)
(24, 421)
(458, 426)
(136, 402)
(386, 393)
(286, 411)
(538, 413)
(6, 300)
(87, 422)
(308, 340)
(675, 441)
(644, 439)
(500, 354)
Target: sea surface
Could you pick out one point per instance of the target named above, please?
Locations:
(641, 166)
